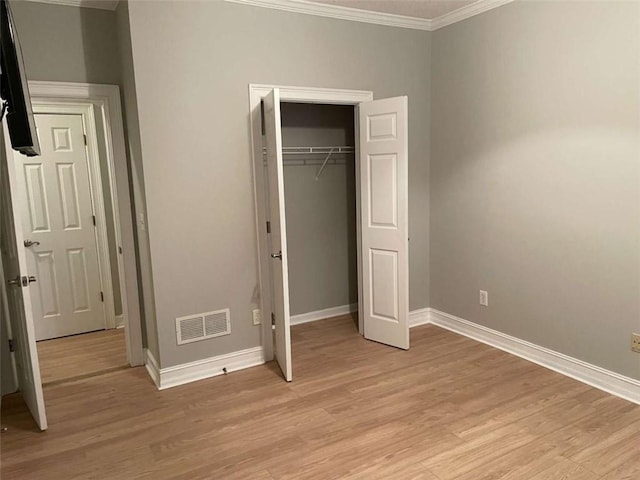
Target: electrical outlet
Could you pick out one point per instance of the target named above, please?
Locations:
(257, 317)
(484, 298)
(635, 342)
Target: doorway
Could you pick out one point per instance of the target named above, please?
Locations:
(69, 237)
(68, 251)
(381, 182)
(318, 157)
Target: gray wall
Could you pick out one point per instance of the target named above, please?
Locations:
(67, 44)
(136, 174)
(71, 44)
(193, 62)
(535, 188)
(321, 214)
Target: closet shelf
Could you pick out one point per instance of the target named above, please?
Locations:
(314, 155)
(313, 150)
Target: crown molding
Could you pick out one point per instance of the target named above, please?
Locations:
(378, 18)
(342, 13)
(99, 4)
(331, 11)
(468, 11)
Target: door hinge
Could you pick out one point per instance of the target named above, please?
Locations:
(120, 250)
(12, 345)
(85, 139)
(102, 296)
(273, 318)
(94, 220)
(268, 227)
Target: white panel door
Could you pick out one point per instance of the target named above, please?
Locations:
(384, 252)
(279, 268)
(16, 274)
(59, 230)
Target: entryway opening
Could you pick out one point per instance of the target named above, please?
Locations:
(69, 287)
(318, 146)
(70, 240)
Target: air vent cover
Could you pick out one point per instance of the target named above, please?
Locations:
(202, 326)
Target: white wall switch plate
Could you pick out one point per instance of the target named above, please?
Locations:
(484, 298)
(257, 317)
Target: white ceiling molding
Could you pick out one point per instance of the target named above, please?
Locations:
(463, 13)
(342, 13)
(378, 18)
(99, 4)
(331, 11)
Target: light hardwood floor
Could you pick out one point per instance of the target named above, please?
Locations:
(62, 359)
(450, 408)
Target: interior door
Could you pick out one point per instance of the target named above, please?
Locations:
(59, 230)
(17, 275)
(384, 252)
(279, 268)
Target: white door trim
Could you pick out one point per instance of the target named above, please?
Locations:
(287, 94)
(106, 103)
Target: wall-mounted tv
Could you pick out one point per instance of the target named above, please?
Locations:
(14, 89)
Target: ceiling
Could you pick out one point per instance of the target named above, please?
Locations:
(427, 9)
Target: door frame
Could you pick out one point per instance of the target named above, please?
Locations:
(326, 96)
(104, 100)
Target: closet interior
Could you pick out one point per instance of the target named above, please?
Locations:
(320, 204)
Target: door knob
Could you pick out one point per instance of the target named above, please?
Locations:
(29, 243)
(277, 255)
(22, 281)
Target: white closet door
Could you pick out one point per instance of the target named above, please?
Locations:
(279, 268)
(384, 221)
(15, 277)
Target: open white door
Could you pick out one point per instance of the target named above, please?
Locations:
(384, 233)
(15, 273)
(279, 267)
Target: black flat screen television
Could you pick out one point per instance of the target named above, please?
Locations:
(14, 89)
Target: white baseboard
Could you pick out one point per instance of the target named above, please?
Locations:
(120, 321)
(201, 369)
(152, 367)
(418, 317)
(322, 314)
(611, 382)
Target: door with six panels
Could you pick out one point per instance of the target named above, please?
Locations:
(59, 231)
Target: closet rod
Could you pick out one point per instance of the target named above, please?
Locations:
(315, 150)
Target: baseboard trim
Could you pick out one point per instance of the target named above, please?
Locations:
(323, 314)
(201, 369)
(418, 317)
(152, 366)
(606, 380)
(119, 321)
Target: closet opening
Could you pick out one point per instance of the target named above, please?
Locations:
(318, 156)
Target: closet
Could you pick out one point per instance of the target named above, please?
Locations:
(318, 145)
(331, 182)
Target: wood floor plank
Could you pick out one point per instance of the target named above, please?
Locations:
(447, 409)
(83, 355)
